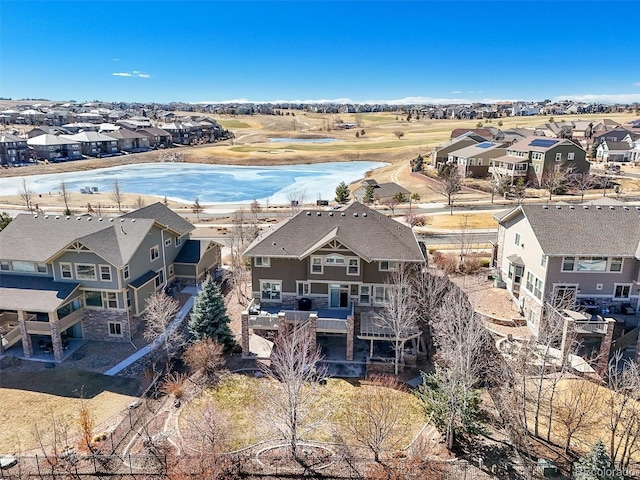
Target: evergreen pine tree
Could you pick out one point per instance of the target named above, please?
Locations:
(596, 465)
(368, 194)
(342, 193)
(209, 317)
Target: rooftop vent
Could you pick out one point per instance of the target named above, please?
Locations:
(46, 216)
(611, 207)
(133, 220)
(89, 218)
(57, 217)
(637, 208)
(79, 218)
(598, 207)
(545, 207)
(67, 217)
(331, 214)
(364, 214)
(624, 208)
(308, 214)
(586, 207)
(342, 214)
(100, 219)
(318, 214)
(572, 207)
(558, 207)
(35, 216)
(122, 220)
(355, 214)
(111, 219)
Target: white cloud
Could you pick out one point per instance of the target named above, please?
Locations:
(135, 73)
(602, 98)
(116, 59)
(637, 84)
(456, 92)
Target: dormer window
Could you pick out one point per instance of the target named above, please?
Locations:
(332, 260)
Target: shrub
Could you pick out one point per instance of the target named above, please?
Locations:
(174, 384)
(205, 355)
(419, 221)
(447, 262)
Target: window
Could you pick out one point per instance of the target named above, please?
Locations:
(543, 261)
(18, 266)
(171, 270)
(622, 291)
(125, 271)
(558, 157)
(42, 268)
(510, 275)
(479, 162)
(85, 271)
(517, 239)
(388, 266)
(592, 264)
(115, 329)
(262, 262)
(304, 288)
(568, 263)
(334, 260)
(128, 298)
(380, 295)
(167, 242)
(316, 265)
(534, 285)
(159, 280)
(155, 252)
(4, 265)
(536, 156)
(109, 299)
(570, 156)
(178, 241)
(616, 264)
(564, 296)
(270, 290)
(65, 270)
(92, 299)
(354, 266)
(365, 294)
(105, 273)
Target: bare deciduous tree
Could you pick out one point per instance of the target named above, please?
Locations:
(582, 182)
(294, 408)
(26, 194)
(205, 428)
(139, 202)
(399, 134)
(376, 420)
(399, 314)
(451, 186)
(116, 194)
(578, 409)
(204, 355)
(66, 196)
(159, 313)
(555, 179)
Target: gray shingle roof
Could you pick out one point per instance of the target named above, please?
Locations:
(611, 145)
(164, 215)
(604, 231)
(28, 292)
(369, 234)
(191, 251)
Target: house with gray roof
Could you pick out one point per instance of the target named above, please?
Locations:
(440, 154)
(382, 192)
(610, 151)
(474, 160)
(130, 141)
(67, 277)
(158, 138)
(94, 144)
(13, 150)
(584, 255)
(55, 148)
(332, 263)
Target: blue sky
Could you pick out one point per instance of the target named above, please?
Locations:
(362, 51)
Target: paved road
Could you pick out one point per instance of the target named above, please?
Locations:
(454, 238)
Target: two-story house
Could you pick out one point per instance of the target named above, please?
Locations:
(88, 277)
(474, 160)
(330, 262)
(55, 148)
(94, 144)
(440, 154)
(534, 157)
(13, 150)
(583, 252)
(129, 140)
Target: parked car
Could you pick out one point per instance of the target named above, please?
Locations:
(612, 169)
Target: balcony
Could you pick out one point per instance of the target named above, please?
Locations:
(590, 327)
(507, 171)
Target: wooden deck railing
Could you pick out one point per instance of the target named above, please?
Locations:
(11, 337)
(331, 325)
(71, 319)
(590, 327)
(266, 322)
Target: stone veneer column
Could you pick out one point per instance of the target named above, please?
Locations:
(350, 337)
(244, 319)
(568, 334)
(605, 347)
(27, 345)
(313, 330)
(56, 339)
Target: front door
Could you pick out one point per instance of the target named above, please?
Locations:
(338, 296)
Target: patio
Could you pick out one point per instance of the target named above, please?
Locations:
(44, 354)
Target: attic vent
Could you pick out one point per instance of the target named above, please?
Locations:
(342, 214)
(122, 220)
(545, 207)
(572, 207)
(598, 207)
(100, 219)
(611, 207)
(364, 214)
(133, 220)
(586, 207)
(308, 214)
(318, 214)
(624, 208)
(355, 214)
(57, 217)
(331, 214)
(558, 207)
(35, 216)
(46, 216)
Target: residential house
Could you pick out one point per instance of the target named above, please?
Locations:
(474, 160)
(130, 141)
(55, 148)
(382, 192)
(158, 138)
(582, 254)
(47, 130)
(440, 154)
(610, 151)
(615, 135)
(94, 144)
(180, 133)
(534, 157)
(89, 278)
(634, 141)
(13, 150)
(332, 263)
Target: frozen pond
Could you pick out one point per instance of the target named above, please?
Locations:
(303, 140)
(209, 183)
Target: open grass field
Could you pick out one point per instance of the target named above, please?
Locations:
(237, 400)
(31, 398)
(458, 222)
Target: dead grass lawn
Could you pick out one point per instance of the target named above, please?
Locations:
(473, 220)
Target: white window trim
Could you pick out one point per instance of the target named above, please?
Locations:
(126, 273)
(571, 155)
(167, 242)
(178, 241)
(321, 265)
(332, 260)
(272, 282)
(264, 262)
(389, 267)
(305, 286)
(370, 294)
(610, 261)
(119, 325)
(67, 264)
(357, 266)
(151, 250)
(78, 277)
(102, 279)
(517, 239)
(171, 270)
(616, 285)
(105, 300)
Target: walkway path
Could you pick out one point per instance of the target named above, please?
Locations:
(186, 308)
